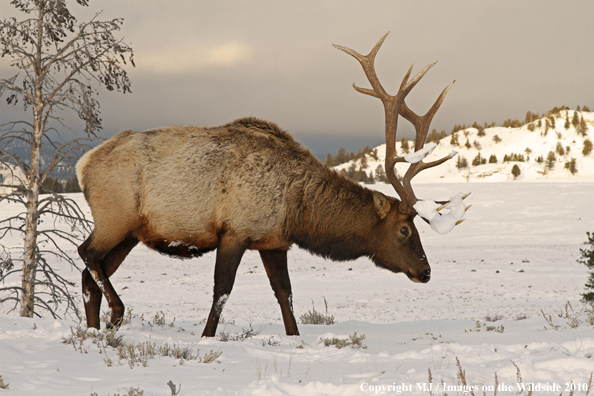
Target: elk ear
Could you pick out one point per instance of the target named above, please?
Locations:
(381, 203)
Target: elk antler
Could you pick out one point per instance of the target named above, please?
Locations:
(393, 106)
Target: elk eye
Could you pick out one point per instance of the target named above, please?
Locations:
(404, 231)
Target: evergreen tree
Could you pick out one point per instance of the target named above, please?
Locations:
(559, 149)
(329, 161)
(461, 162)
(352, 171)
(363, 176)
(481, 131)
(72, 185)
(374, 154)
(479, 160)
(454, 139)
(364, 162)
(380, 174)
(342, 156)
(516, 171)
(404, 145)
(587, 258)
(496, 139)
(575, 121)
(51, 185)
(571, 166)
(587, 147)
(551, 159)
(582, 128)
(492, 159)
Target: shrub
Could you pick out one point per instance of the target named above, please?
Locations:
(246, 334)
(315, 317)
(587, 258)
(2, 384)
(354, 341)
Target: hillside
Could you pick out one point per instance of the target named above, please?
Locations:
(519, 141)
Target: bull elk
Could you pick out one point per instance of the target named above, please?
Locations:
(184, 191)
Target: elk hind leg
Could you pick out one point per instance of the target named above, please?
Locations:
(275, 263)
(95, 279)
(229, 254)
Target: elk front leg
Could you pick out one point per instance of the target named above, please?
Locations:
(229, 255)
(275, 263)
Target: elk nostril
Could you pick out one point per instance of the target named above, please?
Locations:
(426, 276)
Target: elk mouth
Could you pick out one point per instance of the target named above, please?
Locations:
(423, 278)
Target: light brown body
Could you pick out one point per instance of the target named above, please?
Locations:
(246, 185)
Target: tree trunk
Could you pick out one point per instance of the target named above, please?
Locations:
(30, 247)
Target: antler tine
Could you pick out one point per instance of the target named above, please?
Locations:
(367, 61)
(392, 107)
(406, 86)
(421, 123)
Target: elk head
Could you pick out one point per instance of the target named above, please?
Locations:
(441, 215)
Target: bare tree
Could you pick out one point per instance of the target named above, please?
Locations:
(57, 62)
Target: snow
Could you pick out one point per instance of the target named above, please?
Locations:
(417, 156)
(512, 260)
(442, 219)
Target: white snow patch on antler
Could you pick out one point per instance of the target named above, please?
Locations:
(445, 220)
(417, 156)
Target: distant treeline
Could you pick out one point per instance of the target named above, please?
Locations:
(59, 186)
(436, 136)
(344, 156)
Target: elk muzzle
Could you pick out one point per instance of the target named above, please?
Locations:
(422, 277)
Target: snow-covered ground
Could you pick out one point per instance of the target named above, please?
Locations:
(511, 260)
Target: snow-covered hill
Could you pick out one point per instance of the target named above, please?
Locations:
(10, 176)
(530, 144)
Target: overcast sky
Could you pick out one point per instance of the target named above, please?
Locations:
(209, 62)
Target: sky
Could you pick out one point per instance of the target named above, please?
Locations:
(210, 62)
